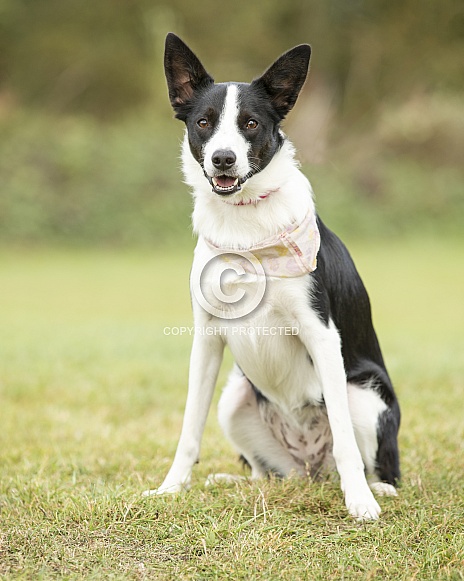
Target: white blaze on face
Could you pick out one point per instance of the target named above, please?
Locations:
(228, 137)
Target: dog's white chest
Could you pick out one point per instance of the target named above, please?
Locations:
(255, 317)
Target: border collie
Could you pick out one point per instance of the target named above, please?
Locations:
(309, 391)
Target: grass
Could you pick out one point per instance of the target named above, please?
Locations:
(92, 395)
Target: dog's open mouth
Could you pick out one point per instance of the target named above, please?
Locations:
(225, 184)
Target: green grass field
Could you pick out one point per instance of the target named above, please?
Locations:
(92, 395)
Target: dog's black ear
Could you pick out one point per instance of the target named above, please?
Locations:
(284, 79)
(184, 73)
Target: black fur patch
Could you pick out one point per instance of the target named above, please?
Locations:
(339, 295)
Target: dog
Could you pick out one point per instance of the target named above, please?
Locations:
(304, 401)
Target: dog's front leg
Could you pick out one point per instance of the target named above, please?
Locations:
(323, 345)
(205, 361)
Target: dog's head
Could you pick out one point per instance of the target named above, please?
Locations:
(233, 128)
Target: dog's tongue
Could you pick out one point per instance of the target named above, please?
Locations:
(225, 181)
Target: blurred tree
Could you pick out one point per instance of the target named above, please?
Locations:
(105, 56)
(384, 102)
(75, 54)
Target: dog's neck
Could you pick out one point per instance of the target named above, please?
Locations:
(269, 202)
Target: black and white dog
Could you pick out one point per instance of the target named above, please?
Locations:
(303, 401)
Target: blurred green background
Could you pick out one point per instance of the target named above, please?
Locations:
(89, 149)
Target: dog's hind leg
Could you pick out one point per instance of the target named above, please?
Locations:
(375, 433)
(241, 421)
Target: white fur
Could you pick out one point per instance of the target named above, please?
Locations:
(234, 226)
(361, 399)
(279, 365)
(227, 136)
(239, 417)
(383, 489)
(219, 477)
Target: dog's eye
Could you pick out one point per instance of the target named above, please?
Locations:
(252, 124)
(203, 123)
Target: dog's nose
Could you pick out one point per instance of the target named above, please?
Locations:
(223, 159)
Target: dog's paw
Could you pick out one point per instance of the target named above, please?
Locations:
(214, 479)
(165, 489)
(363, 508)
(383, 489)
